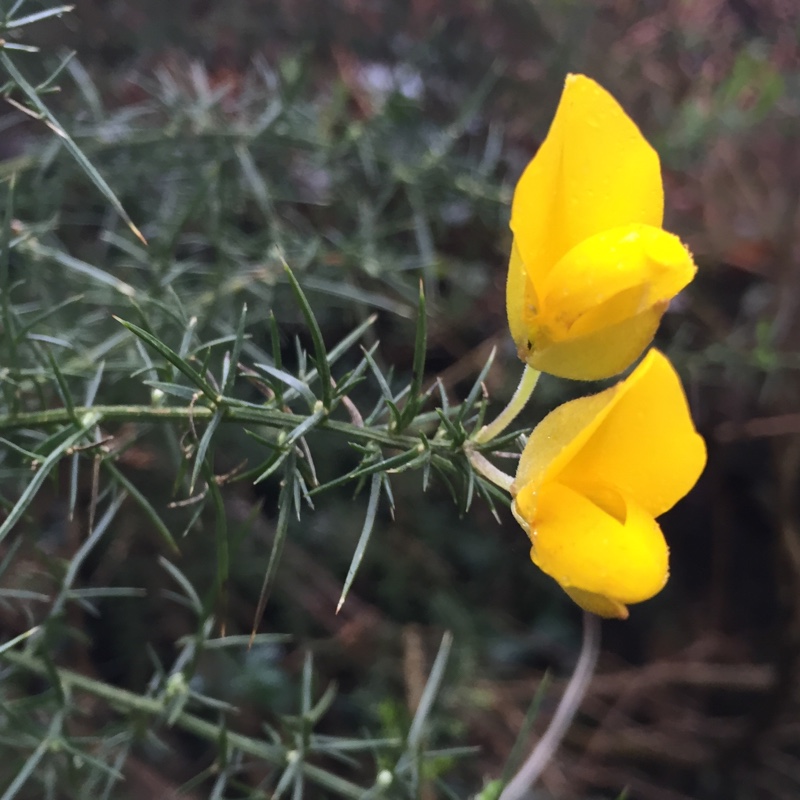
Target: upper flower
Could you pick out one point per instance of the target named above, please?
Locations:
(591, 269)
(593, 477)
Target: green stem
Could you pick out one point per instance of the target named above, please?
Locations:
(128, 701)
(238, 412)
(269, 417)
(525, 389)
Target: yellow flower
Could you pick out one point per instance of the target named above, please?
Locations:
(593, 477)
(591, 270)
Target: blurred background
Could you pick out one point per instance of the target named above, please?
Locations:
(378, 143)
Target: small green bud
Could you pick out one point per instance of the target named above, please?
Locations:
(176, 685)
(90, 419)
(385, 778)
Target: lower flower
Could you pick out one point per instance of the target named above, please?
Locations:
(594, 476)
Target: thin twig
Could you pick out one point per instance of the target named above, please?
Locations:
(522, 782)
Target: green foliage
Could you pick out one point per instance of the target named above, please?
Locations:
(232, 340)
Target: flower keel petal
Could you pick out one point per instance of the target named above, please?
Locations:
(585, 548)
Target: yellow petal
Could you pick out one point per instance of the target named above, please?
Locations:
(601, 304)
(645, 446)
(612, 276)
(597, 355)
(606, 556)
(594, 171)
(559, 436)
(597, 604)
(636, 437)
(516, 287)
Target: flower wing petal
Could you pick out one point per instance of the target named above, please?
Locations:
(646, 445)
(612, 276)
(560, 436)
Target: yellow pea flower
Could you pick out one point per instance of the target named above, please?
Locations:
(593, 477)
(591, 270)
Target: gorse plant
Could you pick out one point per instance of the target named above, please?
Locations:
(230, 341)
(213, 334)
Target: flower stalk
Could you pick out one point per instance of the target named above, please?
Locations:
(527, 384)
(484, 467)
